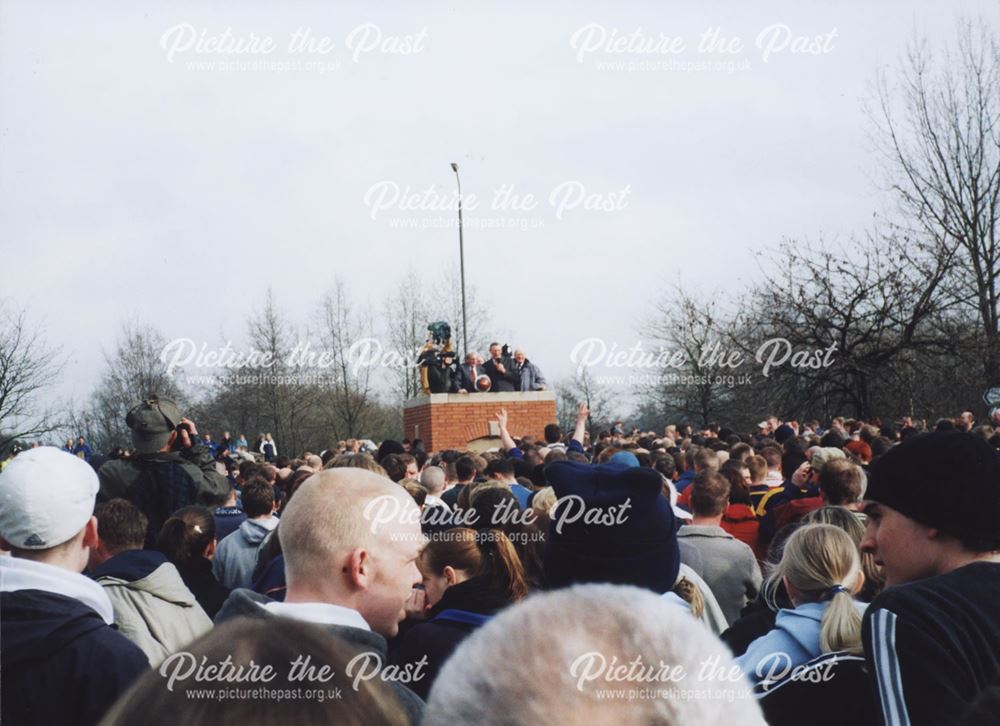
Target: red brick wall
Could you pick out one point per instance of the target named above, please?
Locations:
(451, 421)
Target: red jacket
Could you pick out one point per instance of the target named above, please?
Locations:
(795, 510)
(741, 522)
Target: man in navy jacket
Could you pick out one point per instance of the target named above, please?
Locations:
(62, 660)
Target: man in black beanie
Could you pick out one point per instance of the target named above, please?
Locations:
(932, 639)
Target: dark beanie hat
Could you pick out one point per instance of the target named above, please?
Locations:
(783, 433)
(633, 546)
(389, 446)
(949, 480)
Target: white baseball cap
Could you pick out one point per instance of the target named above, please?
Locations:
(46, 497)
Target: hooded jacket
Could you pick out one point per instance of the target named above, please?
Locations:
(446, 626)
(62, 661)
(246, 603)
(153, 607)
(794, 641)
(236, 555)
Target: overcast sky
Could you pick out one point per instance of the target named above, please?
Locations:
(138, 179)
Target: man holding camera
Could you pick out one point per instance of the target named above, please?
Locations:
(500, 369)
(171, 468)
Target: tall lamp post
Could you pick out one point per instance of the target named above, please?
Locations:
(461, 260)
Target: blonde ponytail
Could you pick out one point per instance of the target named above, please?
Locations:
(841, 628)
(821, 562)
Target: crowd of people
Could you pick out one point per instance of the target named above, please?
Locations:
(845, 572)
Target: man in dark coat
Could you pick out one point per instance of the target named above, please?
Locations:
(171, 469)
(500, 369)
(62, 660)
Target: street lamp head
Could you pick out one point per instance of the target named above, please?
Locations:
(454, 167)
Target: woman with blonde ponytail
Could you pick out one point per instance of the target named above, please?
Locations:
(821, 570)
(468, 576)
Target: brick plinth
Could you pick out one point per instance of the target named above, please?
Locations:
(452, 420)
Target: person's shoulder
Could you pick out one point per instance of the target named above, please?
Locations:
(107, 642)
(925, 597)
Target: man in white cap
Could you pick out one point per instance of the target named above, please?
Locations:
(62, 660)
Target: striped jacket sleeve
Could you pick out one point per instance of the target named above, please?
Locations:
(913, 672)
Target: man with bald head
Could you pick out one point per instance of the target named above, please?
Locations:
(529, 375)
(350, 539)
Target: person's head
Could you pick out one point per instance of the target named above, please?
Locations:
(861, 450)
(465, 469)
(188, 535)
(432, 479)
(574, 657)
(400, 466)
(351, 538)
(740, 452)
(553, 434)
(500, 469)
(356, 460)
(821, 563)
(851, 523)
(81, 440)
(758, 466)
(709, 494)
(739, 487)
(666, 465)
(470, 358)
(495, 351)
(462, 553)
(416, 491)
(966, 420)
(933, 503)
(153, 424)
(257, 498)
(705, 459)
(772, 455)
(251, 645)
(637, 545)
(120, 527)
(840, 483)
(46, 508)
(519, 356)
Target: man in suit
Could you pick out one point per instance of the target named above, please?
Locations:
(468, 372)
(500, 369)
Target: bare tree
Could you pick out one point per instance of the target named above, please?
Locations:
(939, 131)
(347, 335)
(406, 313)
(698, 329)
(873, 312)
(133, 372)
(282, 397)
(28, 366)
(447, 305)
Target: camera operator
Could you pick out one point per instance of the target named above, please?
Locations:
(442, 376)
(500, 370)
